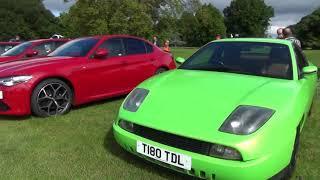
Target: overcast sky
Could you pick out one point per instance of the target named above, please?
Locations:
(287, 12)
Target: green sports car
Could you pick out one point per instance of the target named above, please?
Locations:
(233, 110)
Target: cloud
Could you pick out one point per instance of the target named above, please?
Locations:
(58, 6)
(287, 12)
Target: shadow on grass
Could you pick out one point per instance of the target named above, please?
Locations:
(74, 108)
(13, 118)
(98, 102)
(114, 148)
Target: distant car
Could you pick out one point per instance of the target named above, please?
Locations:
(78, 72)
(5, 46)
(32, 49)
(233, 110)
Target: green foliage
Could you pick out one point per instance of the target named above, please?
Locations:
(210, 23)
(308, 30)
(88, 17)
(249, 18)
(200, 27)
(29, 19)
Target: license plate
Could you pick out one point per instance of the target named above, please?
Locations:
(169, 157)
(1, 95)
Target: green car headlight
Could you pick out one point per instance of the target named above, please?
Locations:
(246, 120)
(135, 99)
(126, 125)
(224, 152)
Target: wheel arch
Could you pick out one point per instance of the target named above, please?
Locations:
(61, 78)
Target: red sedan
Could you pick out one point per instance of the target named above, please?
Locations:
(80, 71)
(5, 46)
(32, 49)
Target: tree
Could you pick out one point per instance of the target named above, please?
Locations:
(249, 18)
(308, 30)
(211, 23)
(29, 19)
(88, 17)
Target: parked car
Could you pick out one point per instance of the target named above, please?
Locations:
(5, 46)
(80, 71)
(233, 110)
(32, 49)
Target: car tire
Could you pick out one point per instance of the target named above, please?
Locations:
(161, 70)
(51, 97)
(287, 173)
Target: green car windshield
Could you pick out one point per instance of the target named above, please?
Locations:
(250, 58)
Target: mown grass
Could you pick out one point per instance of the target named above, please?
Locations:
(80, 145)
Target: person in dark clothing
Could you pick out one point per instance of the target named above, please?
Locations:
(288, 35)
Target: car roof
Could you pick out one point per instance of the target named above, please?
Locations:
(117, 36)
(40, 40)
(10, 43)
(261, 40)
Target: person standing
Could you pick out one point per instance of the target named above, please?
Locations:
(166, 46)
(288, 35)
(280, 33)
(155, 41)
(218, 37)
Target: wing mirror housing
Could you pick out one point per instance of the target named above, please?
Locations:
(31, 53)
(180, 60)
(309, 69)
(101, 53)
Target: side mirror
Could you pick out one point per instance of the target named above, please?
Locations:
(180, 60)
(31, 53)
(309, 69)
(101, 53)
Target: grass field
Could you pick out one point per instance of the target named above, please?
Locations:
(80, 145)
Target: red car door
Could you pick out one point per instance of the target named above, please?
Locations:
(139, 64)
(105, 75)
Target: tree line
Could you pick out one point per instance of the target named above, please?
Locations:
(183, 22)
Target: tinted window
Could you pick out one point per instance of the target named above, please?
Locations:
(45, 48)
(301, 61)
(149, 48)
(114, 46)
(76, 48)
(17, 49)
(59, 43)
(259, 59)
(4, 48)
(134, 46)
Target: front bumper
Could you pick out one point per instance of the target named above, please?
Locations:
(204, 166)
(15, 100)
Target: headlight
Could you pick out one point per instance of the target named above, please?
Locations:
(126, 125)
(11, 81)
(246, 120)
(135, 99)
(224, 152)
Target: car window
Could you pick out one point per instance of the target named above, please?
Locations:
(17, 49)
(76, 48)
(149, 48)
(5, 47)
(134, 46)
(114, 46)
(300, 59)
(251, 58)
(44, 48)
(58, 44)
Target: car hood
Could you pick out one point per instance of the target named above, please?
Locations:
(196, 103)
(21, 66)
